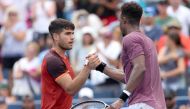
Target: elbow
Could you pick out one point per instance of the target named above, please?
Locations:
(70, 91)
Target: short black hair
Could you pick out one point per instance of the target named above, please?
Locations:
(132, 11)
(163, 2)
(57, 25)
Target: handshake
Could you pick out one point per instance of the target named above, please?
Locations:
(93, 62)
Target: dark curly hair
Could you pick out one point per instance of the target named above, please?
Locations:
(58, 25)
(132, 11)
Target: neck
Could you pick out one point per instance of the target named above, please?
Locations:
(30, 58)
(163, 15)
(13, 22)
(175, 7)
(132, 29)
(172, 48)
(59, 50)
(107, 43)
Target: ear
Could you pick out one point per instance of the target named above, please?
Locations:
(124, 20)
(55, 36)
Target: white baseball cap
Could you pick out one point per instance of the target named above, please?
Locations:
(86, 92)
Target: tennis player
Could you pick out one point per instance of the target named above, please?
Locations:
(59, 82)
(139, 58)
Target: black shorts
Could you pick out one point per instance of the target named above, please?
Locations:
(8, 62)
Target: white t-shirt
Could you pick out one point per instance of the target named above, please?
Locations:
(10, 41)
(183, 15)
(42, 21)
(21, 86)
(112, 51)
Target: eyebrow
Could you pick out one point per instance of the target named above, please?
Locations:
(69, 32)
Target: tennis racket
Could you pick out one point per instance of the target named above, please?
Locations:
(94, 104)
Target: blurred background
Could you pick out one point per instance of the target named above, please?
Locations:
(24, 41)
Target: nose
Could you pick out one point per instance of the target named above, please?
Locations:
(72, 37)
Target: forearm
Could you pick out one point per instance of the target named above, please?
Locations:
(35, 74)
(187, 53)
(163, 60)
(173, 73)
(78, 81)
(19, 36)
(115, 74)
(18, 75)
(1, 37)
(135, 78)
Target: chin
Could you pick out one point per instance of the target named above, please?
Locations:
(69, 48)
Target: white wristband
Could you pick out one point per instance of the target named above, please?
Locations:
(127, 92)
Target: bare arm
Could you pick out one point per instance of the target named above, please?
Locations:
(51, 11)
(1, 72)
(115, 74)
(162, 58)
(20, 36)
(135, 78)
(1, 37)
(137, 73)
(72, 86)
(36, 73)
(33, 12)
(17, 72)
(179, 70)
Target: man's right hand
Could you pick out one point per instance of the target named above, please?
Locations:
(93, 61)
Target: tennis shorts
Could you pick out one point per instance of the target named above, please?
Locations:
(138, 106)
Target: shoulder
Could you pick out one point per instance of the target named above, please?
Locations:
(52, 58)
(54, 64)
(184, 9)
(22, 60)
(133, 37)
(115, 43)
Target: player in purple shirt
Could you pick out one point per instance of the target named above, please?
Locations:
(139, 58)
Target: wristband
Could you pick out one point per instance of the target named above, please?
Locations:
(127, 92)
(101, 67)
(125, 95)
